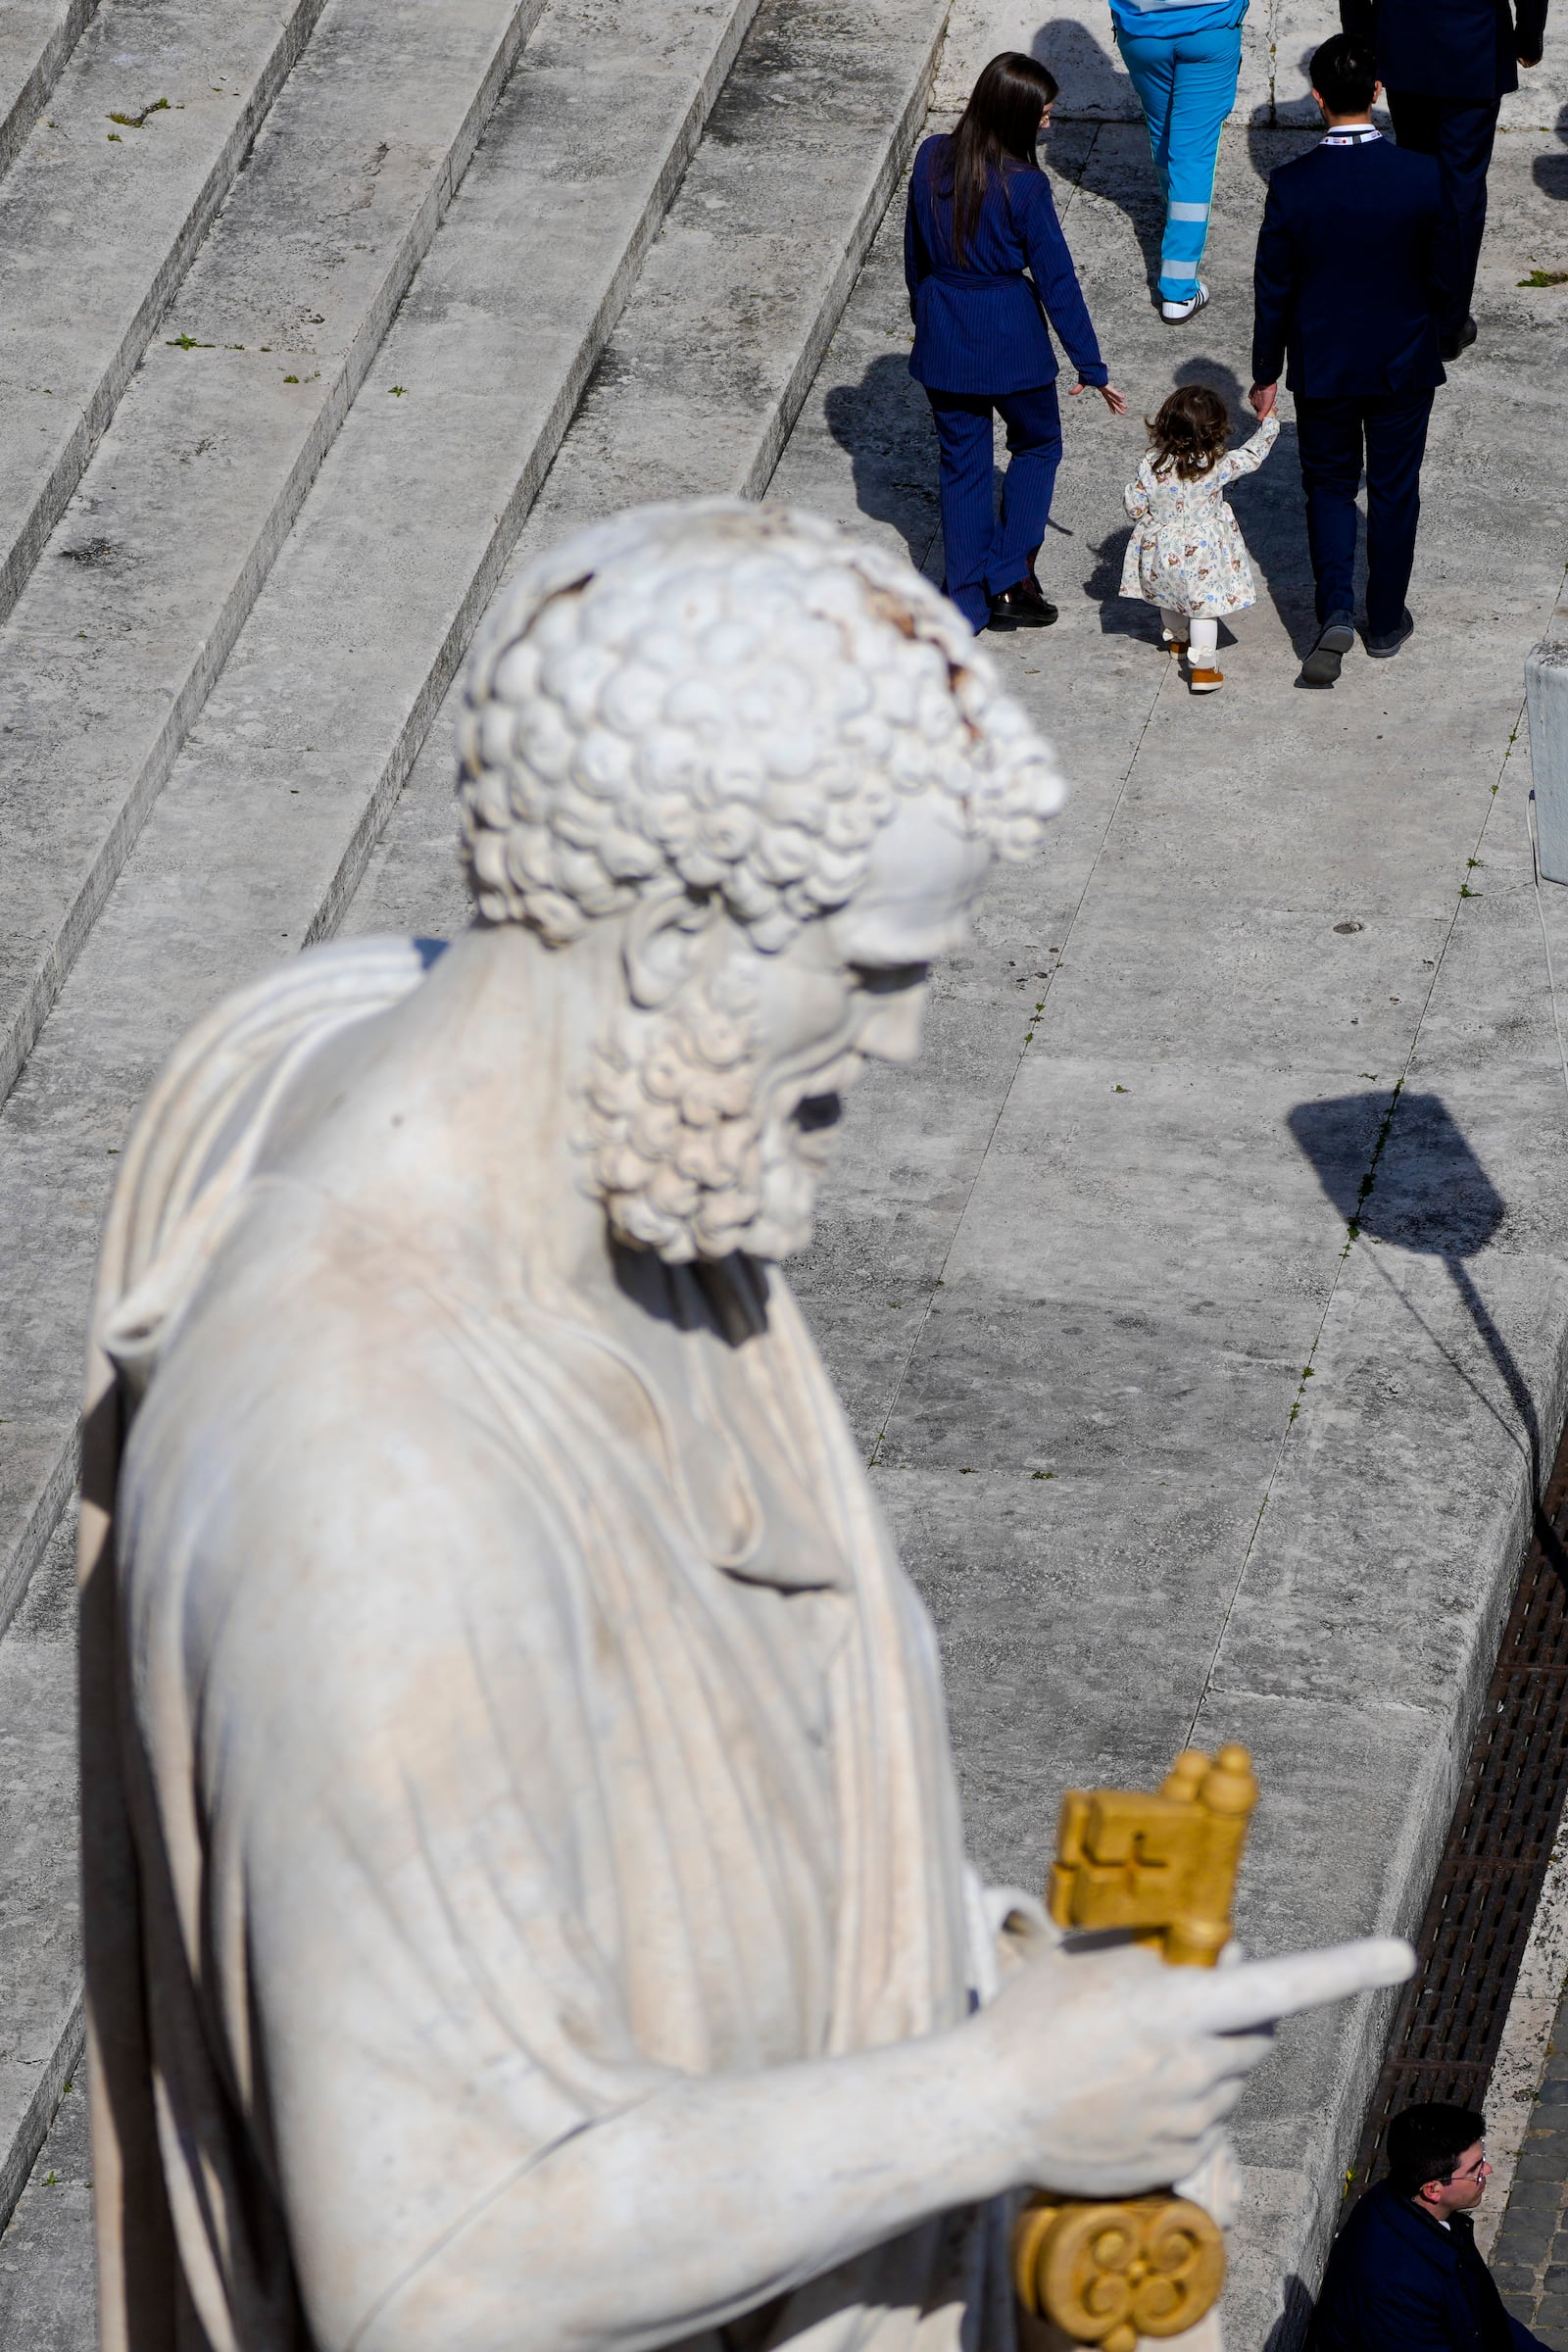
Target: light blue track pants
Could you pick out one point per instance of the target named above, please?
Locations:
(1187, 85)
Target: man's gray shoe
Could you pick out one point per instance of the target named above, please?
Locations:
(1384, 648)
(1334, 641)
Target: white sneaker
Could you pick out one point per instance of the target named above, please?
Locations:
(1173, 312)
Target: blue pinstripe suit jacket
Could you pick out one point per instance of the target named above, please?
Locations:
(982, 328)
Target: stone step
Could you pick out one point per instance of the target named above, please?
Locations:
(266, 818)
(495, 342)
(718, 345)
(129, 612)
(40, 1942)
(406, 520)
(36, 37)
(99, 219)
(48, 2293)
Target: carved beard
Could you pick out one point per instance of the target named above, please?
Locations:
(681, 1149)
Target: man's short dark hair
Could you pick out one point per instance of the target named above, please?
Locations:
(1345, 73)
(1424, 2143)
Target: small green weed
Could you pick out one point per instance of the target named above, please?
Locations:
(1546, 277)
(159, 106)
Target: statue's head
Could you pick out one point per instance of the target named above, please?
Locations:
(775, 759)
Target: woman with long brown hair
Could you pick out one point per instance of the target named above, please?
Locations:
(987, 265)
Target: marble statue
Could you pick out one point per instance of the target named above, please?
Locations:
(526, 1899)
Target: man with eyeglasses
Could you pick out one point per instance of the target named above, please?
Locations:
(1406, 2273)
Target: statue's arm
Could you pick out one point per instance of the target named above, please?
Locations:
(416, 1960)
(1094, 2074)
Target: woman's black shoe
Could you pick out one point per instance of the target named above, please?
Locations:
(1024, 606)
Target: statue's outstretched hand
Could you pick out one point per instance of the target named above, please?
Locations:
(1116, 2073)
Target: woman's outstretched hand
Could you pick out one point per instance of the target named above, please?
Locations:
(1114, 401)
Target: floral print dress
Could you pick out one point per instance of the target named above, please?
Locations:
(1187, 551)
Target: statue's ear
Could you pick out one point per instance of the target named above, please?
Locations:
(662, 931)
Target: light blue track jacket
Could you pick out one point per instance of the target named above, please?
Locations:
(1176, 16)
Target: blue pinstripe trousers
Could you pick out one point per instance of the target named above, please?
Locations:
(986, 555)
(1186, 85)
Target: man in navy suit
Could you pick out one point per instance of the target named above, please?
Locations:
(1445, 65)
(1405, 2275)
(1346, 292)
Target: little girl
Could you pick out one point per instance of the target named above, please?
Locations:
(1186, 553)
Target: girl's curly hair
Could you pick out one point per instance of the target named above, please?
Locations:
(1190, 433)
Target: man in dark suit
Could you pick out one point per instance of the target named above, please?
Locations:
(1346, 293)
(1404, 2274)
(1447, 66)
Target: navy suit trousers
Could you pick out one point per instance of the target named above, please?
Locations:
(1388, 431)
(1460, 136)
(985, 556)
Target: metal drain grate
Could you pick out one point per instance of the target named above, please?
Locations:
(1448, 2025)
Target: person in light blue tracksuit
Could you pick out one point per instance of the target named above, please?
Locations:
(1185, 57)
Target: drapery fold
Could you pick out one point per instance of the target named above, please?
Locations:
(451, 1793)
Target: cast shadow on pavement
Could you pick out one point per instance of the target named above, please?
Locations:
(1271, 143)
(1423, 1189)
(1290, 2328)
(1094, 85)
(1551, 171)
(1094, 90)
(885, 424)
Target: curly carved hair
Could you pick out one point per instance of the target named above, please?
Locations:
(734, 695)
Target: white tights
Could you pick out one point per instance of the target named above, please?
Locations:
(1198, 632)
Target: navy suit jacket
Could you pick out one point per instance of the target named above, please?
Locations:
(1399, 2283)
(1344, 283)
(1459, 49)
(981, 328)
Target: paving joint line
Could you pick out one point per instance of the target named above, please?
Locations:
(872, 1457)
(1353, 1231)
(872, 1460)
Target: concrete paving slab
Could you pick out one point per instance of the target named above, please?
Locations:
(1363, 1579)
(100, 217)
(1001, 1378)
(125, 625)
(1080, 1643)
(1317, 1763)
(1168, 1188)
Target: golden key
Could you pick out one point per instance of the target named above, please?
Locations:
(1162, 1866)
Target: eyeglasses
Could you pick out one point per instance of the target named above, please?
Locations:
(1472, 2171)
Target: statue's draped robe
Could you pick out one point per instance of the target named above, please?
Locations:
(464, 1754)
